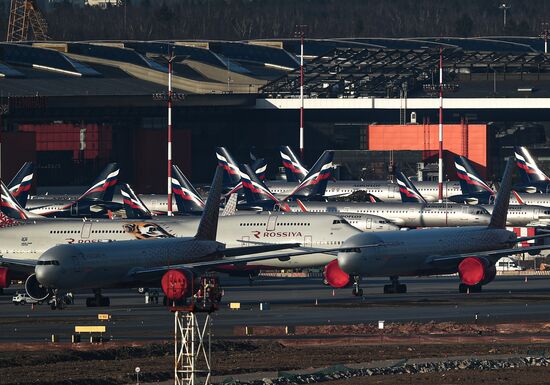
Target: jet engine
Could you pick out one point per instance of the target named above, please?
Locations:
(35, 290)
(336, 277)
(475, 270)
(177, 284)
(5, 280)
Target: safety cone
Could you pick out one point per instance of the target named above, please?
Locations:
(32, 306)
(468, 291)
(333, 292)
(525, 279)
(316, 302)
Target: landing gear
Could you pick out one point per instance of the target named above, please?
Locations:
(97, 300)
(463, 288)
(56, 301)
(357, 291)
(395, 287)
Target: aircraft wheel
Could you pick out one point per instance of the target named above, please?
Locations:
(389, 289)
(23, 302)
(104, 301)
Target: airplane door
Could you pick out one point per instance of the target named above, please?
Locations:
(86, 230)
(271, 222)
(536, 213)
(74, 209)
(390, 191)
(76, 264)
(308, 240)
(369, 223)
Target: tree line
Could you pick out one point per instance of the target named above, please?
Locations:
(257, 19)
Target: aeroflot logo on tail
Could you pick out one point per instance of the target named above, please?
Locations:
(276, 234)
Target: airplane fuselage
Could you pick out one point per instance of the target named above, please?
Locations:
(410, 253)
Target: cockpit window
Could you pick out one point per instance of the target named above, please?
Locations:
(352, 250)
(44, 263)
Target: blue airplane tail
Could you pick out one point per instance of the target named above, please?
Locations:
(21, 183)
(528, 168)
(407, 189)
(187, 198)
(315, 182)
(294, 170)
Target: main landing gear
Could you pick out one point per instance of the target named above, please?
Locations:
(58, 302)
(463, 288)
(395, 287)
(357, 291)
(97, 300)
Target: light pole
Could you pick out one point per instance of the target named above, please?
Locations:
(544, 35)
(300, 31)
(440, 165)
(505, 7)
(494, 80)
(170, 98)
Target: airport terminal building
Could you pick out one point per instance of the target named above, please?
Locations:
(74, 106)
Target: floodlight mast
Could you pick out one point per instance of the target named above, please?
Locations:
(440, 167)
(544, 35)
(505, 7)
(300, 30)
(170, 60)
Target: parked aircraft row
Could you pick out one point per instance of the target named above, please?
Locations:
(248, 240)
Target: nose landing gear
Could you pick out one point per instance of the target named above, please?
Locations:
(357, 291)
(98, 300)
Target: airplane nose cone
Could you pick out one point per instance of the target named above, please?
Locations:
(351, 259)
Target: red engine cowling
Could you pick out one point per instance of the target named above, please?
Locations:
(177, 284)
(474, 270)
(5, 280)
(335, 276)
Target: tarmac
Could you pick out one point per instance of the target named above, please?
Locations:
(292, 301)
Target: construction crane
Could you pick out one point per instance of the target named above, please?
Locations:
(25, 14)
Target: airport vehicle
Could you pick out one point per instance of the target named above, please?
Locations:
(383, 190)
(508, 264)
(95, 202)
(470, 251)
(475, 190)
(175, 262)
(534, 180)
(23, 299)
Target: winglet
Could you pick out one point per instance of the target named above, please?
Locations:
(133, 205)
(208, 227)
(10, 207)
(230, 206)
(500, 211)
(21, 183)
(407, 189)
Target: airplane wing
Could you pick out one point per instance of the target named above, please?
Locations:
(145, 273)
(491, 254)
(18, 265)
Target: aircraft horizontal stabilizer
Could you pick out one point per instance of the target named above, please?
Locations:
(493, 255)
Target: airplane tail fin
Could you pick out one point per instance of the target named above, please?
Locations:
(407, 189)
(21, 183)
(134, 207)
(260, 167)
(470, 181)
(9, 205)
(254, 189)
(231, 172)
(208, 226)
(500, 210)
(529, 170)
(294, 170)
(314, 184)
(104, 186)
(230, 206)
(187, 198)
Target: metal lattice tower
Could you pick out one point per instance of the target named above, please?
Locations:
(24, 14)
(192, 340)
